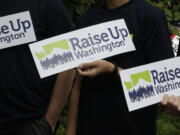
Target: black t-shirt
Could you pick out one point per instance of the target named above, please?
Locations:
(102, 106)
(24, 97)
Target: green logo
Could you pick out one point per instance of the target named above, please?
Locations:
(63, 44)
(136, 77)
(132, 36)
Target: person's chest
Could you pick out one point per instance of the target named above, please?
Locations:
(135, 26)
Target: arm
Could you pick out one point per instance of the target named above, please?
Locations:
(171, 105)
(61, 91)
(57, 21)
(72, 121)
(97, 67)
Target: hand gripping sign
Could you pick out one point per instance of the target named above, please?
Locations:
(16, 29)
(145, 85)
(69, 50)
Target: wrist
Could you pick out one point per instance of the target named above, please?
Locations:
(110, 67)
(115, 69)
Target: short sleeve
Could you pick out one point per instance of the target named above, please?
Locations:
(157, 43)
(57, 18)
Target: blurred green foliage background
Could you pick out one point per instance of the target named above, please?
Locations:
(166, 125)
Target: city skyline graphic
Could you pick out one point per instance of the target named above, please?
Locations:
(60, 58)
(140, 87)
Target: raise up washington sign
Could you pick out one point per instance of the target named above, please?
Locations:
(16, 29)
(69, 50)
(146, 85)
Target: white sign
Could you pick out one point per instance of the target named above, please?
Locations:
(145, 85)
(69, 50)
(16, 29)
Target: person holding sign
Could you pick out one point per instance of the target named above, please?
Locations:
(102, 109)
(171, 105)
(26, 105)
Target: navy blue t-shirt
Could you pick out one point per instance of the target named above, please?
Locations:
(102, 106)
(24, 97)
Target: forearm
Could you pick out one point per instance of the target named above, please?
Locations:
(74, 101)
(60, 93)
(98, 67)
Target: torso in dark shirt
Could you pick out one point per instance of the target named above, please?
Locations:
(102, 106)
(24, 97)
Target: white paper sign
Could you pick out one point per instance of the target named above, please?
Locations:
(16, 29)
(145, 85)
(67, 51)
